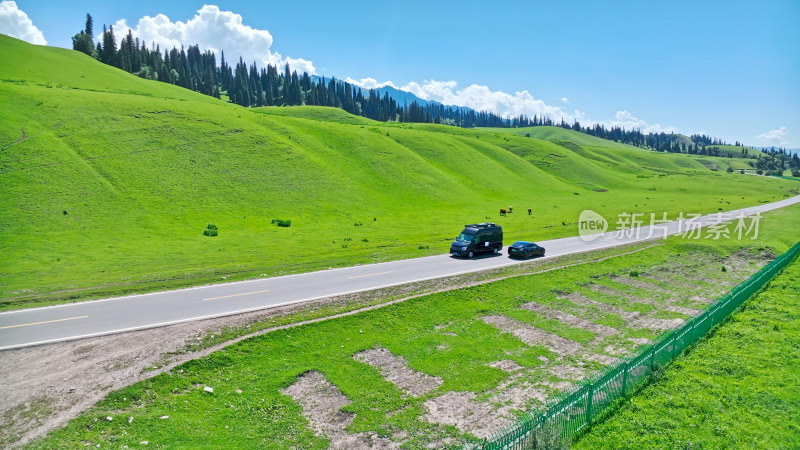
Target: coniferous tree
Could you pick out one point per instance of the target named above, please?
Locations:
(109, 53)
(83, 41)
(89, 29)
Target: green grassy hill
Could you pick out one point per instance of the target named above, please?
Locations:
(733, 151)
(109, 181)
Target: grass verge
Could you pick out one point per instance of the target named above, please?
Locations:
(738, 388)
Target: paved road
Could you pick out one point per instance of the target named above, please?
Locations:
(115, 315)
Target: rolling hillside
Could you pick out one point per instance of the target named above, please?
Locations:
(109, 181)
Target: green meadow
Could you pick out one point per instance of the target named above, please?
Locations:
(109, 182)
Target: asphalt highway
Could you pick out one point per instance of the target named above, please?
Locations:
(116, 315)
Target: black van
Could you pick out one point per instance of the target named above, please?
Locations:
(476, 238)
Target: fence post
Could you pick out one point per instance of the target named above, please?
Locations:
(674, 339)
(652, 357)
(589, 404)
(625, 366)
(711, 313)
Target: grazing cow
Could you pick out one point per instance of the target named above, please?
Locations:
(502, 212)
(511, 209)
(529, 211)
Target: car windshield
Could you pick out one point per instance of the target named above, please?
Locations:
(464, 237)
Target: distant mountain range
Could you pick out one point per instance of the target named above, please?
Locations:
(401, 97)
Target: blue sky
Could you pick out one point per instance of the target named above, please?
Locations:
(729, 69)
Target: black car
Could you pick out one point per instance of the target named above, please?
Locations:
(478, 238)
(524, 249)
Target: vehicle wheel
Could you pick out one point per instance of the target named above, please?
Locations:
(470, 255)
(496, 250)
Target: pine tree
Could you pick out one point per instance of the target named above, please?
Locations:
(109, 54)
(89, 25)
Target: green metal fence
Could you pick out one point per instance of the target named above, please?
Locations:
(568, 414)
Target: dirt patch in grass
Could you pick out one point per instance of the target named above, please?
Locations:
(23, 417)
(698, 298)
(613, 292)
(460, 410)
(602, 359)
(498, 408)
(567, 372)
(665, 278)
(395, 370)
(582, 300)
(532, 335)
(322, 404)
(506, 365)
(642, 284)
(745, 259)
(656, 324)
(634, 319)
(486, 414)
(690, 312)
(551, 313)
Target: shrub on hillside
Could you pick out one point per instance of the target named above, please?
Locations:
(282, 222)
(211, 230)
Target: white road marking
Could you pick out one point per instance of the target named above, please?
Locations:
(369, 275)
(235, 295)
(42, 323)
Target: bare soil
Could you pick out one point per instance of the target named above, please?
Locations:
(532, 335)
(462, 411)
(574, 321)
(395, 370)
(322, 404)
(506, 365)
(582, 300)
(641, 284)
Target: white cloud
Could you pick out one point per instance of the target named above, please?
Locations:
(481, 98)
(369, 83)
(775, 137)
(215, 30)
(628, 121)
(15, 23)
